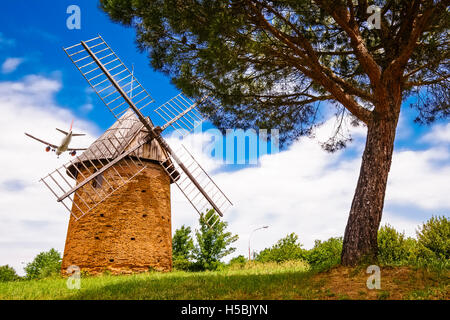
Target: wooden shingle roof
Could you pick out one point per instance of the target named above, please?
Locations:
(123, 135)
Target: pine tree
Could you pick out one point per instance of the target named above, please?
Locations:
(274, 64)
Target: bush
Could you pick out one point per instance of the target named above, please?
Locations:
(7, 273)
(285, 249)
(182, 246)
(180, 263)
(212, 243)
(206, 266)
(238, 260)
(45, 264)
(434, 239)
(325, 254)
(394, 248)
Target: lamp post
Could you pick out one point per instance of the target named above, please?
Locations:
(249, 256)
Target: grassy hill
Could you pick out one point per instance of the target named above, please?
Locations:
(289, 280)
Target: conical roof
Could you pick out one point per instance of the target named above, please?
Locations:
(123, 135)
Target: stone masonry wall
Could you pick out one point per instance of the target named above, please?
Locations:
(128, 232)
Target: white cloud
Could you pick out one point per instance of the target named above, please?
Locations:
(11, 64)
(308, 191)
(439, 134)
(407, 225)
(303, 189)
(30, 219)
(404, 129)
(420, 178)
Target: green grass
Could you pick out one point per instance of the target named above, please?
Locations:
(289, 280)
(252, 281)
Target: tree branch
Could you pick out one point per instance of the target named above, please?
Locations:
(316, 72)
(427, 82)
(418, 25)
(343, 18)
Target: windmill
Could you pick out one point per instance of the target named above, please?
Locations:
(118, 190)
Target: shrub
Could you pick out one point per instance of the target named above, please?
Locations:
(7, 273)
(434, 239)
(212, 243)
(200, 265)
(182, 246)
(45, 264)
(182, 243)
(239, 260)
(394, 248)
(287, 248)
(325, 254)
(180, 263)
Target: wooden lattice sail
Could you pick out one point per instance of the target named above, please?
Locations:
(110, 174)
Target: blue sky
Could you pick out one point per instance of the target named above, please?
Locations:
(38, 41)
(301, 189)
(39, 31)
(42, 32)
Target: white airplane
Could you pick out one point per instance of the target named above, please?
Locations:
(64, 146)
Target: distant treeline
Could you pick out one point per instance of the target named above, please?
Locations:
(430, 249)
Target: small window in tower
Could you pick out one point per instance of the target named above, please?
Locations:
(133, 238)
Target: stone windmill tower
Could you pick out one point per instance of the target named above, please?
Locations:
(118, 190)
(131, 229)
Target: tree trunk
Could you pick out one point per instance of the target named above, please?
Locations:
(360, 238)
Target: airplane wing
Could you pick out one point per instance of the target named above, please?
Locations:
(42, 141)
(76, 149)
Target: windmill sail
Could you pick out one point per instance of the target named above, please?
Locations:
(181, 114)
(107, 75)
(94, 176)
(87, 54)
(185, 180)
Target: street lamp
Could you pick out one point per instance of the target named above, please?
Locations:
(249, 256)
